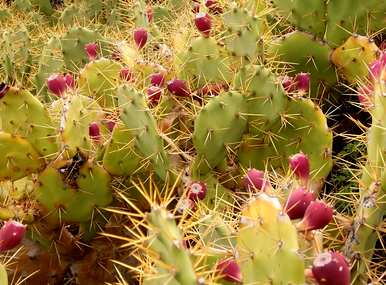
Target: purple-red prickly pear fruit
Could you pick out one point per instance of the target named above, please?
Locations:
(297, 203)
(126, 74)
(70, 82)
(157, 79)
(318, 215)
(300, 165)
(254, 179)
(56, 84)
(197, 191)
(110, 124)
(302, 81)
(203, 23)
(4, 87)
(331, 268)
(288, 84)
(195, 7)
(230, 270)
(178, 87)
(154, 94)
(91, 50)
(140, 37)
(213, 6)
(94, 131)
(212, 89)
(11, 234)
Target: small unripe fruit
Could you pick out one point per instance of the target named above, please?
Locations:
(331, 268)
(154, 94)
(140, 37)
(203, 23)
(91, 51)
(300, 165)
(197, 191)
(230, 270)
(297, 203)
(254, 180)
(56, 84)
(11, 234)
(178, 87)
(317, 215)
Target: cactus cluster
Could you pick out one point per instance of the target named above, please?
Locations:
(189, 142)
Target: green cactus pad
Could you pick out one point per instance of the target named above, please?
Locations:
(23, 114)
(305, 14)
(137, 117)
(72, 196)
(345, 17)
(303, 128)
(305, 54)
(166, 244)
(50, 62)
(73, 43)
(353, 57)
(266, 98)
(78, 113)
(18, 158)
(267, 245)
(121, 156)
(243, 33)
(220, 124)
(69, 15)
(204, 62)
(99, 79)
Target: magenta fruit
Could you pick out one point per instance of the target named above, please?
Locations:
(140, 37)
(254, 180)
(91, 51)
(3, 89)
(302, 81)
(125, 74)
(300, 165)
(70, 82)
(178, 87)
(56, 84)
(331, 268)
(11, 234)
(297, 203)
(197, 191)
(317, 215)
(288, 84)
(203, 23)
(94, 131)
(157, 79)
(213, 6)
(154, 94)
(229, 270)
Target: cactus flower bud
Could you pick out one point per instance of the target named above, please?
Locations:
(11, 234)
(254, 179)
(331, 268)
(56, 84)
(197, 191)
(203, 23)
(178, 87)
(300, 165)
(230, 270)
(140, 37)
(297, 203)
(317, 215)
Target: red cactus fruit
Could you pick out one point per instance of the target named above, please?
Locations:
(195, 7)
(213, 6)
(254, 180)
(157, 79)
(56, 84)
(178, 87)
(288, 84)
(317, 215)
(154, 94)
(126, 74)
(302, 81)
(3, 89)
(140, 37)
(11, 234)
(203, 23)
(110, 124)
(94, 131)
(331, 268)
(212, 89)
(70, 82)
(300, 165)
(297, 203)
(91, 50)
(230, 270)
(197, 191)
